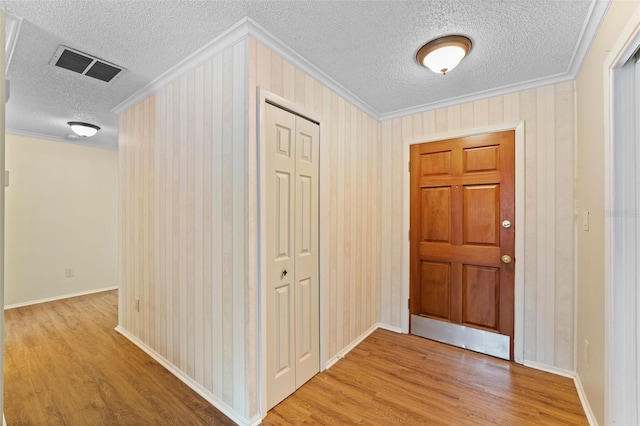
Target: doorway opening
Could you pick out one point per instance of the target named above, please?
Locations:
(462, 242)
(518, 267)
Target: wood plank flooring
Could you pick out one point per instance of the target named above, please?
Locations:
(394, 379)
(65, 365)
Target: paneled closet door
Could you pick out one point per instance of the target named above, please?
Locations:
(293, 332)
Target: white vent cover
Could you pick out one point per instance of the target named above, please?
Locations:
(76, 61)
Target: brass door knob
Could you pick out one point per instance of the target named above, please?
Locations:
(506, 258)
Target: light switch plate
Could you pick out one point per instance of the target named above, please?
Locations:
(585, 221)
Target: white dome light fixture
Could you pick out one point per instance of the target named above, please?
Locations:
(85, 130)
(444, 54)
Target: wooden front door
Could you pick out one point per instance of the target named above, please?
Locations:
(462, 242)
(293, 297)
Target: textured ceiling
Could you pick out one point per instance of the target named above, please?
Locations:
(366, 46)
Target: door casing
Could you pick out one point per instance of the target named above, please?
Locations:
(618, 323)
(518, 127)
(262, 97)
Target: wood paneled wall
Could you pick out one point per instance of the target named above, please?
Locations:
(183, 218)
(548, 113)
(189, 216)
(349, 195)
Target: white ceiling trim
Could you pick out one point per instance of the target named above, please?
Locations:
(236, 33)
(244, 28)
(588, 33)
(269, 40)
(12, 29)
(247, 27)
(42, 136)
(501, 91)
(589, 30)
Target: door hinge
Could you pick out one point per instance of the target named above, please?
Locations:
(409, 234)
(408, 303)
(409, 166)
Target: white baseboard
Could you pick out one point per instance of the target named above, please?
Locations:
(390, 327)
(585, 402)
(359, 340)
(576, 380)
(349, 347)
(226, 409)
(4, 421)
(550, 369)
(64, 296)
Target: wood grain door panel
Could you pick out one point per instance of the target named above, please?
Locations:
(436, 287)
(436, 214)
(481, 215)
(461, 191)
(481, 297)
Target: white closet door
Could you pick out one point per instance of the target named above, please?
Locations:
(291, 158)
(307, 306)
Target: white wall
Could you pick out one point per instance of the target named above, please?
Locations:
(61, 213)
(590, 197)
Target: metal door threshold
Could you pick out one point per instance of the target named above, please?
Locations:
(463, 337)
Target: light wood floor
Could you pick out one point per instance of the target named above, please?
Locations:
(65, 365)
(394, 379)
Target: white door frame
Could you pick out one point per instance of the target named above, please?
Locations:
(618, 331)
(262, 97)
(518, 127)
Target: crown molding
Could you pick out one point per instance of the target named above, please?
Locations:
(13, 24)
(269, 40)
(485, 94)
(592, 23)
(590, 28)
(42, 136)
(247, 27)
(233, 35)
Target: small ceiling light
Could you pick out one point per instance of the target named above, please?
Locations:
(444, 54)
(83, 129)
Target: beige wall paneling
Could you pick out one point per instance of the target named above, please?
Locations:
(548, 113)
(350, 202)
(61, 213)
(183, 154)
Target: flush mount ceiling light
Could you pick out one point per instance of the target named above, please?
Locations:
(83, 129)
(444, 54)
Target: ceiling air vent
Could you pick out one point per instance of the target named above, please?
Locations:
(76, 61)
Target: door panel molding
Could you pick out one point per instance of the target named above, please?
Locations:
(518, 128)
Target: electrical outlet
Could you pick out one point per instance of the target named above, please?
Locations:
(69, 272)
(137, 305)
(586, 351)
